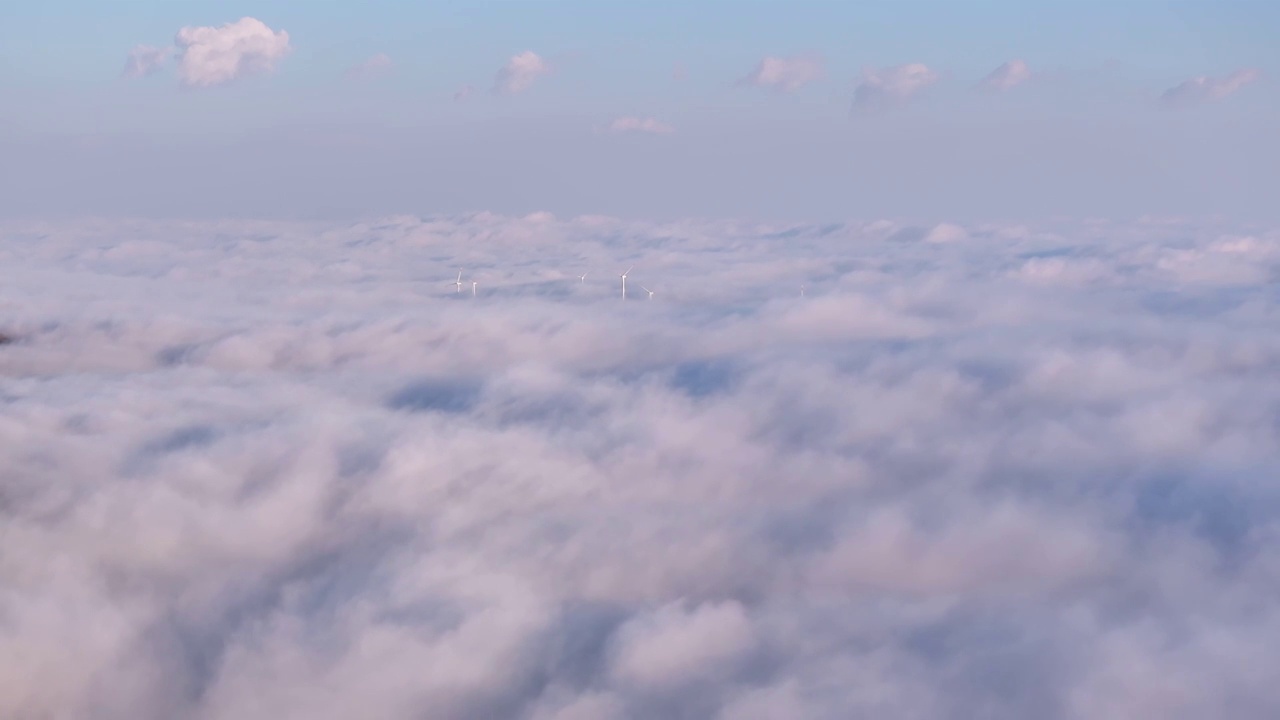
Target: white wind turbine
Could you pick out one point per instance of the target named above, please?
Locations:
(473, 288)
(648, 291)
(457, 284)
(801, 289)
(582, 279)
(624, 281)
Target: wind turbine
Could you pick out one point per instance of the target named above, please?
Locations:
(473, 288)
(624, 281)
(457, 284)
(801, 289)
(648, 291)
(582, 279)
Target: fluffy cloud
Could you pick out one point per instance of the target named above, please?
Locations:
(216, 55)
(519, 73)
(375, 65)
(640, 125)
(887, 86)
(1202, 89)
(259, 470)
(463, 93)
(144, 60)
(1007, 76)
(786, 74)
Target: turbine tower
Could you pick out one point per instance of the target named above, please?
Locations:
(624, 281)
(648, 291)
(473, 288)
(457, 284)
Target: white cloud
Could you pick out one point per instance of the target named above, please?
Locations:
(463, 93)
(145, 59)
(375, 65)
(520, 72)
(786, 74)
(1007, 76)
(881, 87)
(1202, 89)
(216, 55)
(640, 125)
(258, 470)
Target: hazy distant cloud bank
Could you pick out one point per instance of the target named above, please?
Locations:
(1007, 77)
(1202, 88)
(629, 124)
(263, 470)
(884, 87)
(786, 74)
(376, 65)
(144, 60)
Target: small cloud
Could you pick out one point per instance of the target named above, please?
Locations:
(946, 233)
(375, 65)
(881, 87)
(144, 60)
(785, 74)
(676, 646)
(519, 73)
(1202, 89)
(216, 55)
(463, 93)
(1007, 76)
(640, 125)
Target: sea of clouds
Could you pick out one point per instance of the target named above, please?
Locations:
(266, 470)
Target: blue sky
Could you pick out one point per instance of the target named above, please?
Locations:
(1098, 70)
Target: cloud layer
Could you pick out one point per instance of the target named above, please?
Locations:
(262, 470)
(217, 55)
(520, 72)
(786, 74)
